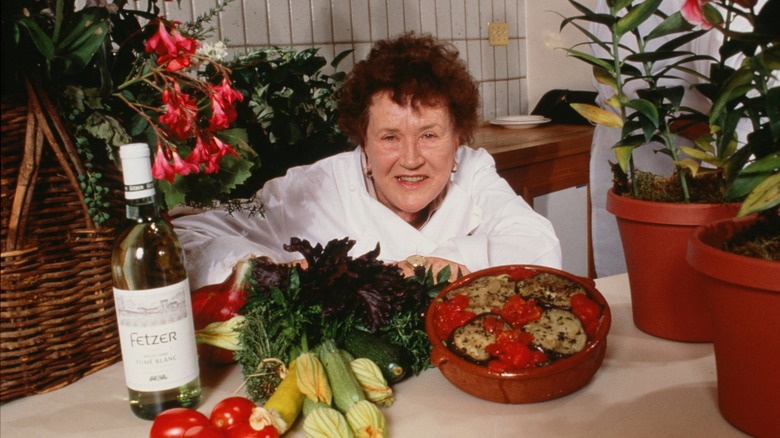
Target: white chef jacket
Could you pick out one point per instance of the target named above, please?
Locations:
(480, 223)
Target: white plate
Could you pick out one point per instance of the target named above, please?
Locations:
(518, 119)
(519, 122)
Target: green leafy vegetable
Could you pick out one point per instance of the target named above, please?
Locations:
(290, 310)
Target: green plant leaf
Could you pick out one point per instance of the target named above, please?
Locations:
(590, 59)
(105, 127)
(173, 194)
(690, 164)
(82, 38)
(701, 156)
(598, 115)
(734, 87)
(753, 174)
(646, 109)
(40, 39)
(604, 77)
(636, 16)
(623, 156)
(340, 57)
(764, 196)
(619, 4)
(674, 23)
(768, 164)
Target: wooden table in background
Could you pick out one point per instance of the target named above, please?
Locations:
(541, 160)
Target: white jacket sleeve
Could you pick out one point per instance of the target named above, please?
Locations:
(509, 231)
(215, 241)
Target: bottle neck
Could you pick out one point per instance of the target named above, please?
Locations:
(142, 209)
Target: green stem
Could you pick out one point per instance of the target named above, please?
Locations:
(669, 140)
(618, 66)
(58, 18)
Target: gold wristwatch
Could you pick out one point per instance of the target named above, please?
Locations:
(418, 264)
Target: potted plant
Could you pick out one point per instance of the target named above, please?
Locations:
(661, 213)
(739, 258)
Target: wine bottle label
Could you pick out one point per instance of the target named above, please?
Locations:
(157, 337)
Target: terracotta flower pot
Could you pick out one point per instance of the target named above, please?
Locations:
(666, 295)
(743, 296)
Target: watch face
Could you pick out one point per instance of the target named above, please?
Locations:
(417, 261)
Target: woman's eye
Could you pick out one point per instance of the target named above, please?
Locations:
(429, 135)
(389, 138)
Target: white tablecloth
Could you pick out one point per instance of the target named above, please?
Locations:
(647, 387)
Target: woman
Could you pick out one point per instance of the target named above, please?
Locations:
(409, 186)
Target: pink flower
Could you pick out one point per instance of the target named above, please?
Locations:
(219, 120)
(208, 152)
(223, 105)
(222, 149)
(200, 154)
(181, 112)
(692, 12)
(161, 42)
(173, 49)
(162, 169)
(181, 167)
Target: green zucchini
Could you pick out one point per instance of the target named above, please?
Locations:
(343, 383)
(392, 359)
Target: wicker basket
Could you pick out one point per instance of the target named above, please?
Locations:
(57, 320)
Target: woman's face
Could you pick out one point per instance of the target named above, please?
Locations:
(411, 153)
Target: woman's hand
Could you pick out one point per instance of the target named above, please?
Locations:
(423, 264)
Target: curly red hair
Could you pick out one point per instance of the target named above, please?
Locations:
(416, 70)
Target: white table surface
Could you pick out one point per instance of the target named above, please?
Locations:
(647, 387)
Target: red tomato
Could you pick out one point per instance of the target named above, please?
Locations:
(451, 315)
(518, 312)
(204, 432)
(492, 324)
(245, 430)
(588, 311)
(231, 411)
(172, 423)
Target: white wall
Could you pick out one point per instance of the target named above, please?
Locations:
(548, 65)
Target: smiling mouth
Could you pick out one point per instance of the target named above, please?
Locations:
(410, 179)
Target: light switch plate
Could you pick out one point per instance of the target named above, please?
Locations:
(498, 33)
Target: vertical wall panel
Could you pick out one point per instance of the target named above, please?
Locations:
(472, 20)
(458, 14)
(379, 18)
(336, 25)
(395, 18)
(322, 21)
(361, 24)
(411, 15)
(301, 22)
(342, 21)
(279, 22)
(256, 22)
(231, 21)
(443, 19)
(428, 17)
(186, 11)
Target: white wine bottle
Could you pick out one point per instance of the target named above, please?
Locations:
(152, 297)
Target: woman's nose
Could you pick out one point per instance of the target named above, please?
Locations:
(411, 157)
